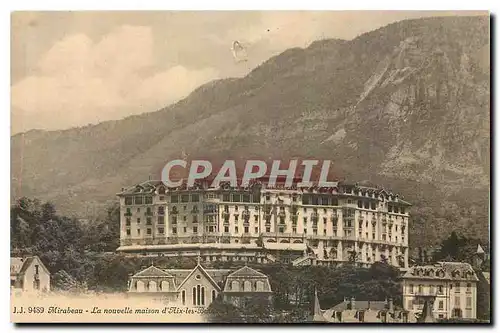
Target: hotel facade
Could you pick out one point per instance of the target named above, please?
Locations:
(260, 223)
(451, 285)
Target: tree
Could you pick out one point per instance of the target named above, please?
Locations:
(223, 312)
(457, 248)
(383, 259)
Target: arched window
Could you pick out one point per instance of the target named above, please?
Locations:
(194, 296)
(214, 295)
(247, 286)
(161, 190)
(164, 286)
(198, 295)
(140, 286)
(235, 285)
(457, 313)
(260, 286)
(183, 296)
(152, 286)
(202, 295)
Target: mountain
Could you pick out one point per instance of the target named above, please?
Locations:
(405, 106)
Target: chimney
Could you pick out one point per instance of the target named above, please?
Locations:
(391, 305)
(353, 303)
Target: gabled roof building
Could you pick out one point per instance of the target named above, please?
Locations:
(29, 274)
(199, 286)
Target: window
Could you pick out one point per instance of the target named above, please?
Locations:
(468, 303)
(185, 229)
(148, 200)
(457, 301)
(138, 231)
(226, 229)
(411, 289)
(268, 229)
(174, 230)
(128, 200)
(213, 295)
(175, 199)
(236, 229)
(469, 286)
(161, 219)
(441, 305)
(161, 230)
(440, 290)
(457, 287)
(195, 197)
(185, 198)
(128, 232)
(138, 200)
(195, 229)
(256, 230)
(36, 269)
(148, 231)
(138, 220)
(183, 296)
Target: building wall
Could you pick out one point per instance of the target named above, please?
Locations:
(334, 225)
(454, 294)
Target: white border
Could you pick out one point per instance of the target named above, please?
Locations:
(7, 7)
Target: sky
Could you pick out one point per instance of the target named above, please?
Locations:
(72, 69)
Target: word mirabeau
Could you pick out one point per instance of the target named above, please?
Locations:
(253, 170)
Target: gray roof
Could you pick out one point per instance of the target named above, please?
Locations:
(19, 265)
(442, 271)
(247, 272)
(361, 305)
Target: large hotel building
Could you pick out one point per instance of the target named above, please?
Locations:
(335, 225)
